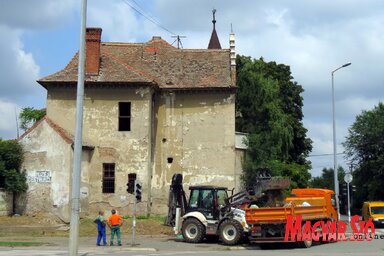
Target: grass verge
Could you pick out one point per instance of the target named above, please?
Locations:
(19, 244)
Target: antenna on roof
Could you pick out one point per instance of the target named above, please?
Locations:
(17, 125)
(179, 43)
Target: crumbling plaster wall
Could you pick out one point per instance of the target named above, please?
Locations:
(5, 203)
(47, 160)
(129, 150)
(195, 136)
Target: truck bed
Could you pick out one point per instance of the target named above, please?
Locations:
(274, 215)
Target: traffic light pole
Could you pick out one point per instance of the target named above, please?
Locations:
(349, 204)
(134, 217)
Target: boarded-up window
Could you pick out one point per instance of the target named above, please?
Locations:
(124, 116)
(108, 178)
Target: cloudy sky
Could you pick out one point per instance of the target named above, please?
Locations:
(314, 37)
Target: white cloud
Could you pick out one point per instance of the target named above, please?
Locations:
(18, 69)
(36, 14)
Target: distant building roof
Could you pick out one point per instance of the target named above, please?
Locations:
(155, 62)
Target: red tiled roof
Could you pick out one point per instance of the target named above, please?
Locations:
(155, 62)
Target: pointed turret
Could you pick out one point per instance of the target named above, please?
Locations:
(214, 42)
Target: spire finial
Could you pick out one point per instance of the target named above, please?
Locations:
(214, 18)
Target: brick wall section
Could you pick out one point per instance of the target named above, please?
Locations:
(92, 61)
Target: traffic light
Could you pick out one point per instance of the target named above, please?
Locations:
(138, 192)
(344, 189)
(131, 183)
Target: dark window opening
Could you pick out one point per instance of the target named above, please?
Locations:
(124, 116)
(2, 181)
(170, 160)
(108, 178)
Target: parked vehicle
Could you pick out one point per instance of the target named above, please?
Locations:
(268, 224)
(374, 210)
(210, 211)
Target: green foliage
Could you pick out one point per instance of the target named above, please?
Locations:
(365, 148)
(11, 155)
(268, 108)
(28, 116)
(11, 158)
(15, 181)
(327, 179)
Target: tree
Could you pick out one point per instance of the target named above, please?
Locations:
(28, 116)
(364, 146)
(11, 178)
(268, 108)
(327, 178)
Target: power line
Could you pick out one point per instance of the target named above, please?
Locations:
(325, 154)
(157, 23)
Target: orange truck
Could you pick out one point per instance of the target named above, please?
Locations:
(268, 224)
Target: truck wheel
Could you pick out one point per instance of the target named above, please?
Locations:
(230, 232)
(305, 243)
(193, 230)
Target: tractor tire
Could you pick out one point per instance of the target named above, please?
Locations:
(193, 230)
(230, 232)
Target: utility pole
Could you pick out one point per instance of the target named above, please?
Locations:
(76, 173)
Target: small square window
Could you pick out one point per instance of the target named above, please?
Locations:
(108, 178)
(124, 116)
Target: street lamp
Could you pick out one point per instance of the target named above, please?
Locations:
(334, 138)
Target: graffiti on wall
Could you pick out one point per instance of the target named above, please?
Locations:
(40, 177)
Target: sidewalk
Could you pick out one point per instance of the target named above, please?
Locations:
(142, 243)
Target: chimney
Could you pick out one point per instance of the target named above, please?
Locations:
(232, 56)
(92, 49)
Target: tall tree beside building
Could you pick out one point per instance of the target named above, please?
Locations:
(269, 108)
(12, 179)
(365, 148)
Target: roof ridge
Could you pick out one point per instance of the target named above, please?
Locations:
(32, 127)
(61, 131)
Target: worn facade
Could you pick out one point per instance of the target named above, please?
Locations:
(150, 109)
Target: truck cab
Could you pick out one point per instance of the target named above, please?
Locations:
(374, 210)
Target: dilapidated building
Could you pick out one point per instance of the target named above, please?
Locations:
(150, 109)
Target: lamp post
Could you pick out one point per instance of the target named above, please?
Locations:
(334, 138)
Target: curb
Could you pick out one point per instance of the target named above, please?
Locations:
(117, 249)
